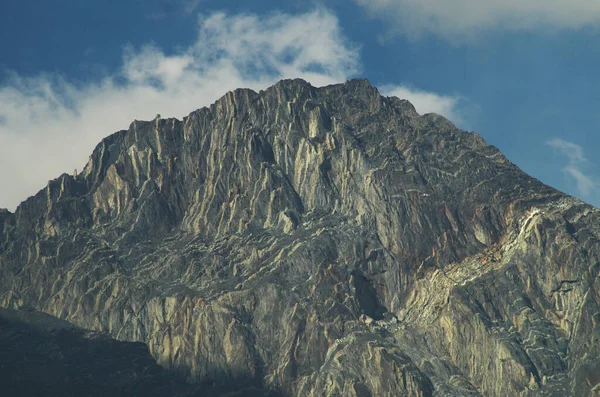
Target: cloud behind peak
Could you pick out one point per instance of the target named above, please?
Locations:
(459, 20)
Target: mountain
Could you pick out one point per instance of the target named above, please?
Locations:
(311, 241)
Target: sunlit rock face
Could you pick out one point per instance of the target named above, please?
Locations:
(318, 241)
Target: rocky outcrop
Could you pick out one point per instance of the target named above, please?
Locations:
(318, 241)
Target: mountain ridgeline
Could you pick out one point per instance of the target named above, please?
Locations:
(306, 241)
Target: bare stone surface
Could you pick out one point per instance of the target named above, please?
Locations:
(318, 241)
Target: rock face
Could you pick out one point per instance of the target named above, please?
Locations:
(318, 241)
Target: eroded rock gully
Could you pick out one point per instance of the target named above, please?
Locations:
(318, 241)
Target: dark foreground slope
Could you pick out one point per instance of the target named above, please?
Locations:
(318, 241)
(42, 356)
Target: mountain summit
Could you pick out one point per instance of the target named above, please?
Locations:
(311, 241)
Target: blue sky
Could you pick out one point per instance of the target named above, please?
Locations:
(522, 74)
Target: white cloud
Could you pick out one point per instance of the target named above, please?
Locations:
(426, 102)
(465, 19)
(573, 151)
(50, 125)
(160, 9)
(190, 6)
(587, 185)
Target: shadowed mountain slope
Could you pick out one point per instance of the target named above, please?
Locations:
(41, 355)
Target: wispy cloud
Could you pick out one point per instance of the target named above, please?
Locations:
(427, 102)
(164, 8)
(577, 164)
(189, 6)
(467, 19)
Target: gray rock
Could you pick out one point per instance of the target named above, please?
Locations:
(245, 241)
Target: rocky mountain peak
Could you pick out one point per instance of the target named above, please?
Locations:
(310, 241)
